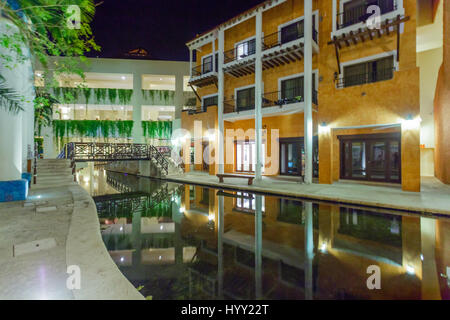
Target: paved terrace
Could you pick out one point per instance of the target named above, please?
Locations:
(434, 198)
(62, 219)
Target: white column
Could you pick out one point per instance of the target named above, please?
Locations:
(137, 108)
(190, 62)
(258, 97)
(221, 98)
(49, 147)
(10, 145)
(334, 15)
(308, 126)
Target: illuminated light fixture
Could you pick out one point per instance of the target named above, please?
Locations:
(324, 128)
(39, 74)
(160, 228)
(160, 79)
(323, 247)
(411, 122)
(121, 228)
(123, 77)
(211, 217)
(38, 197)
(410, 269)
(121, 259)
(160, 257)
(182, 210)
(421, 257)
(86, 179)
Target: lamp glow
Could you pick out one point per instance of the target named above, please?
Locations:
(410, 270)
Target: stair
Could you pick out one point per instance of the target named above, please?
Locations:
(53, 173)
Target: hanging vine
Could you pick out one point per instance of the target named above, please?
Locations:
(112, 95)
(157, 129)
(125, 96)
(92, 128)
(159, 97)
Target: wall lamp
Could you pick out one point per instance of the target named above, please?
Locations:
(324, 127)
(411, 122)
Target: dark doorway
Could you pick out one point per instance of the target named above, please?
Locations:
(205, 156)
(371, 157)
(292, 156)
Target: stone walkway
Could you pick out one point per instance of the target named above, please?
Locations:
(55, 228)
(434, 198)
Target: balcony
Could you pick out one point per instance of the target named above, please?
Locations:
(203, 75)
(356, 14)
(291, 96)
(273, 104)
(365, 78)
(278, 48)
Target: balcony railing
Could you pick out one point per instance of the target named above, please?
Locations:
(229, 106)
(278, 38)
(279, 98)
(363, 78)
(202, 69)
(243, 50)
(359, 13)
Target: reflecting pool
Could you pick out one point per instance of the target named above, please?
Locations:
(191, 242)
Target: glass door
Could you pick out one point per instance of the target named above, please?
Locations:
(372, 157)
(246, 156)
(292, 157)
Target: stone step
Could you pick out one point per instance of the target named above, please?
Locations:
(54, 179)
(40, 161)
(53, 166)
(54, 172)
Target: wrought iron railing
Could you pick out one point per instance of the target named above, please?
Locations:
(91, 151)
(364, 78)
(290, 96)
(249, 49)
(357, 14)
(279, 38)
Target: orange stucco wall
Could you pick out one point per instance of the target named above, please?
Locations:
(442, 108)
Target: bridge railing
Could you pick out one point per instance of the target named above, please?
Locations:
(91, 151)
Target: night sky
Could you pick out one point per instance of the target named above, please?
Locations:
(160, 26)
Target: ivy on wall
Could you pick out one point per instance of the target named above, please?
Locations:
(159, 97)
(101, 95)
(157, 129)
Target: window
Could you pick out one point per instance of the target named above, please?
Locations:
(246, 156)
(207, 65)
(356, 11)
(292, 31)
(210, 101)
(247, 202)
(368, 72)
(245, 99)
(292, 90)
(245, 49)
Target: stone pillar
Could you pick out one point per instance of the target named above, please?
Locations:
(137, 108)
(10, 145)
(221, 97)
(308, 92)
(334, 13)
(325, 155)
(49, 146)
(410, 146)
(179, 97)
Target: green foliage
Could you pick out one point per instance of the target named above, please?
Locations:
(10, 99)
(100, 95)
(92, 128)
(159, 97)
(157, 129)
(112, 95)
(125, 96)
(43, 110)
(43, 27)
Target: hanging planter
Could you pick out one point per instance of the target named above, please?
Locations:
(112, 95)
(157, 129)
(125, 96)
(100, 95)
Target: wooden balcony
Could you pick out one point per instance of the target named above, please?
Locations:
(203, 75)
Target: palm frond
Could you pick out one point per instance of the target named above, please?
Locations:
(10, 99)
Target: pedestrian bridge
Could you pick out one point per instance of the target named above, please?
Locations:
(106, 152)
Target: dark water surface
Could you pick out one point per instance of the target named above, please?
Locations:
(190, 242)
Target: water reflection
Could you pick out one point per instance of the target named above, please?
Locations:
(192, 242)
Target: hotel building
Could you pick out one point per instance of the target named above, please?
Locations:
(290, 82)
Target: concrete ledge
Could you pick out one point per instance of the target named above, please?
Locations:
(100, 276)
